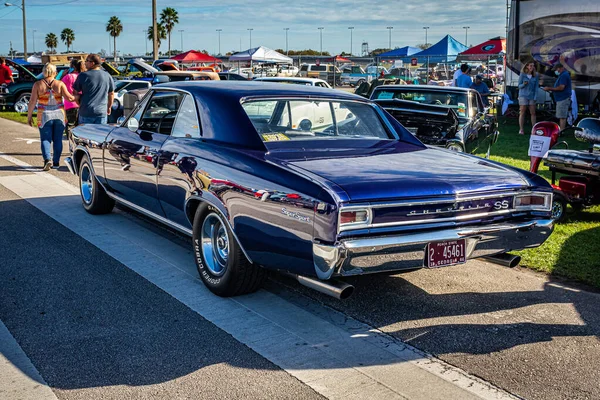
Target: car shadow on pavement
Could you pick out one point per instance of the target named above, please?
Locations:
(429, 320)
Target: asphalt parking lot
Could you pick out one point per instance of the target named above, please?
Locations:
(534, 337)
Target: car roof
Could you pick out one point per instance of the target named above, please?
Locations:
(219, 105)
(430, 88)
(237, 90)
(288, 78)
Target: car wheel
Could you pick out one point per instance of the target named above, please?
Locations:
(559, 207)
(221, 263)
(455, 147)
(93, 196)
(305, 125)
(22, 102)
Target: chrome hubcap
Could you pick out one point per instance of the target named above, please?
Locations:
(86, 184)
(215, 244)
(557, 209)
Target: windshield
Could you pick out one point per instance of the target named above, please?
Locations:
(456, 101)
(277, 120)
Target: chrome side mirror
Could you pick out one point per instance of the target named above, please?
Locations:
(133, 124)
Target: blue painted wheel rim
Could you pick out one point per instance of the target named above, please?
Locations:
(86, 183)
(215, 244)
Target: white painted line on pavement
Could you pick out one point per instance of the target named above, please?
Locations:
(20, 379)
(335, 355)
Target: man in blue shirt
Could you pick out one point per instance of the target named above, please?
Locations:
(562, 94)
(482, 88)
(464, 80)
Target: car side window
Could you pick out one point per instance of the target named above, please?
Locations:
(159, 115)
(186, 124)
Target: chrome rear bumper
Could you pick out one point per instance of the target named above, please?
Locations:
(407, 251)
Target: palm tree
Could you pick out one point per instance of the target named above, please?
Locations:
(51, 41)
(114, 28)
(169, 18)
(161, 33)
(68, 37)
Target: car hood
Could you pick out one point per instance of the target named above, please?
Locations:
(401, 171)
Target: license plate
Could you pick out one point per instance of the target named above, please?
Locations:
(444, 254)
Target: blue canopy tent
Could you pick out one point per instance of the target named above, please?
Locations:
(402, 52)
(445, 50)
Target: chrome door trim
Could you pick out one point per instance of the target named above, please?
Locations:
(150, 214)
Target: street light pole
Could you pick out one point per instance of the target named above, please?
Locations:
(286, 41)
(22, 7)
(351, 28)
(34, 31)
(426, 28)
(181, 32)
(466, 28)
(321, 38)
(219, 33)
(389, 28)
(250, 30)
(154, 32)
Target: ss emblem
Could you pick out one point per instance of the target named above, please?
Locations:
(501, 205)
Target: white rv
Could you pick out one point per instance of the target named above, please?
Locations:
(553, 31)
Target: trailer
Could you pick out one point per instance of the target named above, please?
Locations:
(551, 32)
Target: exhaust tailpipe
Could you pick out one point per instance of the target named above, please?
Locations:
(505, 259)
(339, 290)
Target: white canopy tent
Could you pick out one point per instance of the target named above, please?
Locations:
(261, 54)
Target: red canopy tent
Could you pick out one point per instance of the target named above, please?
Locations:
(490, 48)
(337, 59)
(194, 56)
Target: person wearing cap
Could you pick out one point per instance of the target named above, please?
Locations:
(464, 80)
(482, 88)
(562, 94)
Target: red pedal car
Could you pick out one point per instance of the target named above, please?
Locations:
(580, 186)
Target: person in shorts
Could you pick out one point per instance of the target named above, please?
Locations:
(562, 94)
(528, 86)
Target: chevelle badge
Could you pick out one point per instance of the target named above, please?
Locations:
(295, 215)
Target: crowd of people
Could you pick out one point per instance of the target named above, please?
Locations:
(84, 96)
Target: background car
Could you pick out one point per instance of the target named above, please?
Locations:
(16, 95)
(295, 80)
(423, 110)
(121, 88)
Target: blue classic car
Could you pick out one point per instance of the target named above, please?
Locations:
(350, 192)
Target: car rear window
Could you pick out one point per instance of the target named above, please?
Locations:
(282, 120)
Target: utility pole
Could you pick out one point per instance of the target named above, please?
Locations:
(145, 31)
(351, 29)
(22, 7)
(219, 32)
(181, 31)
(154, 32)
(426, 28)
(286, 40)
(389, 28)
(34, 31)
(321, 38)
(250, 30)
(466, 28)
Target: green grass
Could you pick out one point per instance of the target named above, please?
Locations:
(15, 116)
(571, 251)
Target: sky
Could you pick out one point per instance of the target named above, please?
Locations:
(268, 18)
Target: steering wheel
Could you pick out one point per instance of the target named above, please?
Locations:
(160, 121)
(437, 103)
